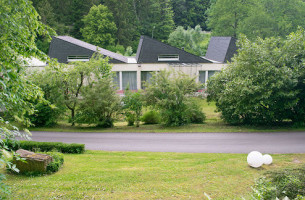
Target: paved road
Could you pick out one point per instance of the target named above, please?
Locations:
(282, 142)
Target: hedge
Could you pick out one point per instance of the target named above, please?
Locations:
(50, 146)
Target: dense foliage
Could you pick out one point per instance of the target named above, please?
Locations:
(192, 40)
(281, 183)
(151, 117)
(169, 92)
(253, 18)
(264, 83)
(99, 104)
(47, 146)
(19, 29)
(99, 28)
(64, 84)
(133, 103)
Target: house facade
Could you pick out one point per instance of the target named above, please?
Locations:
(152, 56)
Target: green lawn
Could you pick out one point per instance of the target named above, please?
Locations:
(139, 175)
(212, 124)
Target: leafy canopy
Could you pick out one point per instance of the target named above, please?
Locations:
(192, 40)
(264, 83)
(99, 28)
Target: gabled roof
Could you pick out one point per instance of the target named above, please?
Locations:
(149, 49)
(85, 45)
(221, 49)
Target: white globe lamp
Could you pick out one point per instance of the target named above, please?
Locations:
(267, 159)
(255, 159)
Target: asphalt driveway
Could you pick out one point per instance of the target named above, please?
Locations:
(280, 142)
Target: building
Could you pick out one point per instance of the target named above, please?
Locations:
(152, 56)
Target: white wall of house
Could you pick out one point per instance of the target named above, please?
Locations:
(201, 71)
(190, 69)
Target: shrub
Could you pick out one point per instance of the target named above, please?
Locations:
(265, 82)
(45, 115)
(51, 146)
(100, 104)
(133, 104)
(169, 92)
(58, 161)
(195, 112)
(281, 183)
(151, 117)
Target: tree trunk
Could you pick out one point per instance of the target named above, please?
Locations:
(72, 116)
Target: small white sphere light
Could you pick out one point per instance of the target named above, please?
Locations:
(267, 159)
(255, 159)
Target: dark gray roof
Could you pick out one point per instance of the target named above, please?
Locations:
(221, 49)
(149, 49)
(63, 46)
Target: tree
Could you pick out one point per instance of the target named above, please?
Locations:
(99, 104)
(124, 15)
(64, 84)
(264, 18)
(19, 28)
(264, 83)
(225, 16)
(189, 13)
(194, 41)
(99, 28)
(170, 93)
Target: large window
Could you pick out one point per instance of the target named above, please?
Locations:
(211, 73)
(129, 79)
(116, 79)
(202, 76)
(168, 57)
(77, 58)
(145, 77)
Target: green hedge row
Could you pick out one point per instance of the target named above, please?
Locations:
(50, 146)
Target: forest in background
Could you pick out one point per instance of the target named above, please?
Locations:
(118, 24)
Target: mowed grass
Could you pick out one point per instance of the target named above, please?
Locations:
(213, 123)
(141, 175)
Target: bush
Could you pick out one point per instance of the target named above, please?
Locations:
(169, 92)
(281, 183)
(51, 146)
(58, 161)
(100, 104)
(195, 112)
(151, 117)
(45, 115)
(265, 82)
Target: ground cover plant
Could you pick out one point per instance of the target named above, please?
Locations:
(289, 182)
(140, 175)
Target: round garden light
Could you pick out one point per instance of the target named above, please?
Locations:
(255, 159)
(267, 159)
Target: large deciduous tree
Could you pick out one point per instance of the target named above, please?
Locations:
(192, 40)
(264, 18)
(19, 28)
(190, 13)
(264, 83)
(99, 28)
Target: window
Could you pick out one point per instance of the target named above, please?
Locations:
(168, 57)
(77, 58)
(202, 76)
(116, 79)
(129, 79)
(145, 77)
(211, 73)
